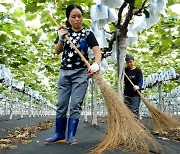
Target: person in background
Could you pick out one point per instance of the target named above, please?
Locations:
(74, 74)
(131, 97)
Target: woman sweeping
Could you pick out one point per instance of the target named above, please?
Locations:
(131, 96)
(74, 74)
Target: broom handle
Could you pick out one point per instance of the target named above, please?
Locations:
(132, 84)
(72, 44)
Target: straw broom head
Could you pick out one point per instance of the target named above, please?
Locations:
(124, 130)
(161, 121)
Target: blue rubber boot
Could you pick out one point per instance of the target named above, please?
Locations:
(60, 130)
(72, 127)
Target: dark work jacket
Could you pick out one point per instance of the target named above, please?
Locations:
(136, 77)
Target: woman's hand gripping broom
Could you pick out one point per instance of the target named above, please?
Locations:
(161, 121)
(123, 129)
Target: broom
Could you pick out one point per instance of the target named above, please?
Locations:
(124, 130)
(161, 121)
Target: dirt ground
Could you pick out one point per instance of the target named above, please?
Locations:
(31, 133)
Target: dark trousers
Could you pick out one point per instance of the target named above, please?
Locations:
(72, 86)
(133, 103)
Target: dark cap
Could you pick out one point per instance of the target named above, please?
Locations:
(129, 57)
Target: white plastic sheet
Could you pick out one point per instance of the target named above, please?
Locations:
(112, 3)
(7, 75)
(1, 74)
(161, 5)
(132, 35)
(139, 23)
(101, 37)
(17, 84)
(98, 12)
(101, 23)
(172, 73)
(90, 54)
(104, 65)
(164, 76)
(153, 19)
(28, 91)
(112, 15)
(101, 20)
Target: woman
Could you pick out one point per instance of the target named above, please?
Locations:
(73, 78)
(131, 97)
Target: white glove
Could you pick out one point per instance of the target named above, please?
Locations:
(94, 67)
(136, 87)
(62, 32)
